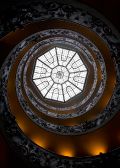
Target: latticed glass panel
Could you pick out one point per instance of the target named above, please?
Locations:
(60, 74)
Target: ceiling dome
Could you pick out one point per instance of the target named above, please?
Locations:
(59, 74)
(60, 85)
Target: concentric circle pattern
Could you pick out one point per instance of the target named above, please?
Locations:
(60, 79)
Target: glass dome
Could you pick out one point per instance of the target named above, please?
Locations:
(59, 74)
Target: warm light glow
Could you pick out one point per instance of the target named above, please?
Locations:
(69, 152)
(39, 141)
(97, 148)
(22, 125)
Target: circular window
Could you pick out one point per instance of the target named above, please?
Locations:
(59, 74)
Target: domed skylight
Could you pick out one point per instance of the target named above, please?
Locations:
(59, 74)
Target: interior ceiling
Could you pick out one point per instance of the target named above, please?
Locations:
(111, 11)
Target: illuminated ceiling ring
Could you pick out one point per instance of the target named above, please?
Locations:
(24, 80)
(47, 124)
(29, 52)
(104, 73)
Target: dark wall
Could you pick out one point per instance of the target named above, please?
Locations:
(109, 8)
